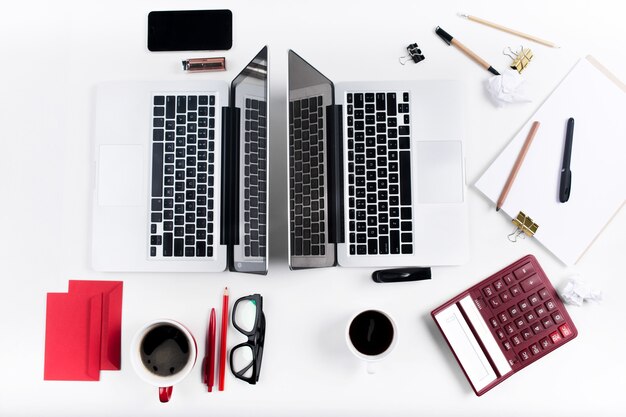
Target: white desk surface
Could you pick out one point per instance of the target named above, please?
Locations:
(53, 53)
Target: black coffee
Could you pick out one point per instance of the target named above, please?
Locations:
(371, 333)
(165, 350)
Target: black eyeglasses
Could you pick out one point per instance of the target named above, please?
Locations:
(248, 318)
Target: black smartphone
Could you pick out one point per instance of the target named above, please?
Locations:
(190, 30)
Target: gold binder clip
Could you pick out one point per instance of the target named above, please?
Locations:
(524, 226)
(520, 58)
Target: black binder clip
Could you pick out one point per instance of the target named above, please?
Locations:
(415, 54)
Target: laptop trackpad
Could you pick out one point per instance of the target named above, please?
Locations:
(439, 172)
(120, 175)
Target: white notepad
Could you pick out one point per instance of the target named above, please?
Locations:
(597, 102)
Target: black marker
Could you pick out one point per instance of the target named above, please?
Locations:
(566, 174)
(447, 38)
(401, 275)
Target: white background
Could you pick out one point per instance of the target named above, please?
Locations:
(52, 56)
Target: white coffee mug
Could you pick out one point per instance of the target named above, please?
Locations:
(371, 335)
(163, 352)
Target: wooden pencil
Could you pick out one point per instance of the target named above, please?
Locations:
(509, 30)
(518, 165)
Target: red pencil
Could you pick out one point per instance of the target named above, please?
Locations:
(223, 339)
(209, 361)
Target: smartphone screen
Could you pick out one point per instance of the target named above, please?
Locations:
(190, 30)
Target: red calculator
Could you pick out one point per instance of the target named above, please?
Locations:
(504, 323)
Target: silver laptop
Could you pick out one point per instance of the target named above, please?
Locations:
(376, 172)
(182, 174)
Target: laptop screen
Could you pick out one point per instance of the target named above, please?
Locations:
(310, 94)
(249, 93)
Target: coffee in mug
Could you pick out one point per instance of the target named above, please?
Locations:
(371, 335)
(163, 352)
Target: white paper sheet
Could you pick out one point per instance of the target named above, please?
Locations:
(597, 103)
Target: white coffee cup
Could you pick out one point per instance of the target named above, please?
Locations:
(371, 335)
(163, 352)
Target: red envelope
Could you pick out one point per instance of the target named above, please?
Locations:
(110, 354)
(73, 331)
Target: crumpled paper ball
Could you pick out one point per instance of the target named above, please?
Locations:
(575, 291)
(507, 88)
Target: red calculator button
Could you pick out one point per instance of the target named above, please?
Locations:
(505, 297)
(544, 293)
(536, 328)
(557, 317)
(565, 330)
(503, 317)
(525, 271)
(515, 290)
(535, 349)
(530, 316)
(498, 285)
(513, 311)
(550, 305)
(524, 305)
(500, 334)
(495, 302)
(547, 322)
(534, 299)
(494, 322)
(530, 283)
(507, 345)
(508, 279)
(488, 291)
(556, 337)
(509, 329)
(524, 355)
(526, 334)
(541, 311)
(545, 343)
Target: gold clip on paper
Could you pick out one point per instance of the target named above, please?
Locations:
(524, 225)
(520, 58)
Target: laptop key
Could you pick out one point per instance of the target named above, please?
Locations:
(192, 102)
(383, 245)
(405, 178)
(157, 170)
(358, 101)
(167, 244)
(391, 104)
(179, 246)
(158, 135)
(394, 238)
(380, 101)
(181, 105)
(372, 247)
(170, 109)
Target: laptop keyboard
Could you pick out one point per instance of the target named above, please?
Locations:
(379, 173)
(255, 178)
(307, 177)
(182, 191)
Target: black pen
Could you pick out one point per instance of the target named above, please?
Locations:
(452, 41)
(566, 174)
